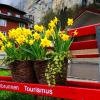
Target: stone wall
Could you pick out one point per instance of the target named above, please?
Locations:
(39, 9)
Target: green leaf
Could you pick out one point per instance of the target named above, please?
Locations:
(27, 50)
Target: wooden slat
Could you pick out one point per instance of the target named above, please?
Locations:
(86, 60)
(6, 78)
(85, 52)
(83, 31)
(86, 56)
(90, 44)
(68, 92)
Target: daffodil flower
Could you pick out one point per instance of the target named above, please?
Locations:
(38, 28)
(51, 24)
(9, 45)
(41, 28)
(48, 33)
(65, 37)
(1, 43)
(55, 20)
(3, 48)
(45, 42)
(31, 42)
(20, 40)
(36, 36)
(70, 21)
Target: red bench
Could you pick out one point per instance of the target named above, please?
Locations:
(76, 90)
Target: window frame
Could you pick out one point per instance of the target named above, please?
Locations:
(20, 24)
(18, 15)
(3, 22)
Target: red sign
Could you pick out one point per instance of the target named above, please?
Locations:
(74, 93)
(38, 89)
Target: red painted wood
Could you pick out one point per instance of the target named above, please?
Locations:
(90, 44)
(38, 89)
(77, 90)
(6, 78)
(86, 30)
(93, 85)
(86, 56)
(70, 82)
(75, 93)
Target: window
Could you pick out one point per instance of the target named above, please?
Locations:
(3, 22)
(17, 15)
(9, 14)
(21, 25)
(30, 26)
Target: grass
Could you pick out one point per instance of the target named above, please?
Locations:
(5, 72)
(6, 95)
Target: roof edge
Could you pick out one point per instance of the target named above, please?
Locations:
(1, 4)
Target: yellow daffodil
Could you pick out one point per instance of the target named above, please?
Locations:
(31, 42)
(36, 36)
(48, 33)
(36, 27)
(18, 31)
(70, 21)
(3, 48)
(41, 28)
(27, 32)
(75, 32)
(15, 33)
(9, 45)
(3, 38)
(45, 42)
(61, 33)
(11, 34)
(55, 20)
(52, 30)
(1, 43)
(65, 37)
(26, 41)
(1, 34)
(20, 40)
(51, 24)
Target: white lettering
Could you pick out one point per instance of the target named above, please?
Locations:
(38, 90)
(13, 87)
(51, 92)
(25, 87)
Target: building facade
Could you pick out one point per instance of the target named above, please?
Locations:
(11, 17)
